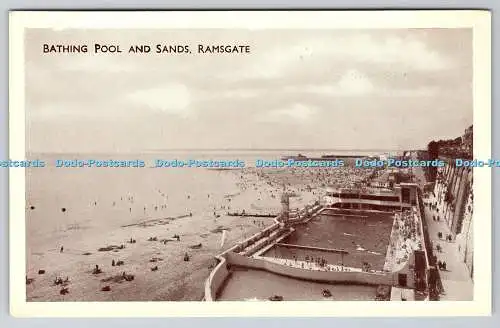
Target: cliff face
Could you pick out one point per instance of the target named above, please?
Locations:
(454, 192)
(464, 238)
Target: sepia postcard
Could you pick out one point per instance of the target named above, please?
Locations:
(250, 163)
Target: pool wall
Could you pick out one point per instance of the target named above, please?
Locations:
(216, 280)
(369, 278)
(221, 272)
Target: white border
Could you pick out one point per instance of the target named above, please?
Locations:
(480, 21)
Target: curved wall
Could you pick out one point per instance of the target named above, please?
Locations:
(326, 276)
(215, 281)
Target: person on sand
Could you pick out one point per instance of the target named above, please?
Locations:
(62, 249)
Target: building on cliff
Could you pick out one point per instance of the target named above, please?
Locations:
(467, 140)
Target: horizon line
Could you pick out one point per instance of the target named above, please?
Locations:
(237, 149)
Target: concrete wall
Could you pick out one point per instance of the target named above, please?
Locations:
(458, 181)
(263, 242)
(216, 279)
(461, 200)
(325, 276)
(253, 239)
(465, 239)
(422, 229)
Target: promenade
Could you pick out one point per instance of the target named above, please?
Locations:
(457, 284)
(456, 281)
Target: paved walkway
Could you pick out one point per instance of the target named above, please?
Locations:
(456, 280)
(457, 283)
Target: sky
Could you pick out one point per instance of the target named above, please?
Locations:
(297, 89)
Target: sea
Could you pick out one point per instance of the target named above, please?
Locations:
(62, 197)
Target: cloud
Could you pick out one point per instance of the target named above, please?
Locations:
(351, 83)
(59, 110)
(354, 83)
(239, 93)
(95, 63)
(174, 99)
(408, 53)
(50, 111)
(296, 113)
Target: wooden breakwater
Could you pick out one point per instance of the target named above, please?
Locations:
(256, 215)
